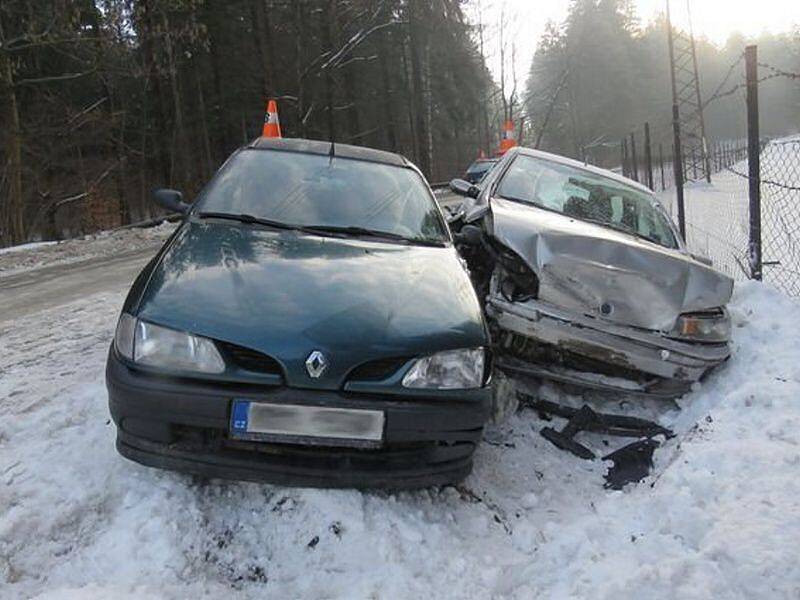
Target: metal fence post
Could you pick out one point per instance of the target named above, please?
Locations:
(753, 159)
(625, 167)
(648, 156)
(677, 158)
(634, 162)
(622, 157)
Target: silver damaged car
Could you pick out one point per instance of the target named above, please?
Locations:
(585, 279)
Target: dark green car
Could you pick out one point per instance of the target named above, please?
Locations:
(308, 323)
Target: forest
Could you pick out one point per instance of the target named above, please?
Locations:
(103, 100)
(601, 74)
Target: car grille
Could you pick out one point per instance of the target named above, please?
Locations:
(250, 360)
(377, 370)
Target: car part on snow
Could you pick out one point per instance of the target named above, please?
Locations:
(595, 422)
(564, 439)
(631, 462)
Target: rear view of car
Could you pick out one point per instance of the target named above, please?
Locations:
(310, 323)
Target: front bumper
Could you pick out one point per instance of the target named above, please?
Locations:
(666, 367)
(183, 425)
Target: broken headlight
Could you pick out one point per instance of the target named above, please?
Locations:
(704, 326)
(157, 346)
(448, 370)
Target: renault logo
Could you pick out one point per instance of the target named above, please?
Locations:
(316, 363)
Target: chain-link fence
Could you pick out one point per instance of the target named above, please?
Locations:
(718, 220)
(780, 214)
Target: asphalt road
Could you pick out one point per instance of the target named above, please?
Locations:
(38, 289)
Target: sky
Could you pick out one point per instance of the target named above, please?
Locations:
(714, 19)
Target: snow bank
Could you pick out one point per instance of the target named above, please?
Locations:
(41, 254)
(720, 516)
(25, 247)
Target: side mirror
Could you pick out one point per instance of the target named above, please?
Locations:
(470, 235)
(172, 200)
(464, 188)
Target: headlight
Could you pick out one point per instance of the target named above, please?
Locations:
(707, 326)
(449, 370)
(123, 337)
(157, 346)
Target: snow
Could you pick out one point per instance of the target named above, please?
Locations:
(718, 221)
(26, 257)
(25, 247)
(718, 517)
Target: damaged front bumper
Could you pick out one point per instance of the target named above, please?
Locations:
(542, 341)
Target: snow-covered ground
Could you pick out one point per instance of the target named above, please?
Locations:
(16, 259)
(719, 517)
(718, 216)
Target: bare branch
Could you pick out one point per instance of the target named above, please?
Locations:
(65, 77)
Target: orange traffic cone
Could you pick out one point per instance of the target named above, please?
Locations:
(508, 140)
(272, 128)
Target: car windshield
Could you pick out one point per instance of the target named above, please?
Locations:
(478, 170)
(587, 196)
(337, 194)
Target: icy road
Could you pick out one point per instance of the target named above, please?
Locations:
(719, 517)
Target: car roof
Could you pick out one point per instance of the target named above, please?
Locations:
(579, 165)
(324, 147)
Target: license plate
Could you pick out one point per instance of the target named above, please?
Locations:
(300, 424)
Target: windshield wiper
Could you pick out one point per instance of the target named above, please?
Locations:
(246, 218)
(366, 232)
(319, 229)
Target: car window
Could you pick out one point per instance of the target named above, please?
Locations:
(314, 190)
(478, 170)
(587, 196)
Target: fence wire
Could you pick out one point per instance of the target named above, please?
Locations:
(780, 214)
(717, 215)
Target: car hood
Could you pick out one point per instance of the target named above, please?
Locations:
(286, 294)
(593, 270)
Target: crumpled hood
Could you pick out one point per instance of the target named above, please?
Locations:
(287, 294)
(583, 267)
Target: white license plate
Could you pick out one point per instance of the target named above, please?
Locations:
(296, 423)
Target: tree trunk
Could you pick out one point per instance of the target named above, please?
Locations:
(206, 141)
(181, 145)
(13, 224)
(417, 42)
(300, 46)
(223, 145)
(262, 30)
(123, 210)
(327, 46)
(386, 97)
(151, 68)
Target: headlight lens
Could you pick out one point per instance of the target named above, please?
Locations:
(449, 370)
(706, 326)
(149, 344)
(123, 337)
